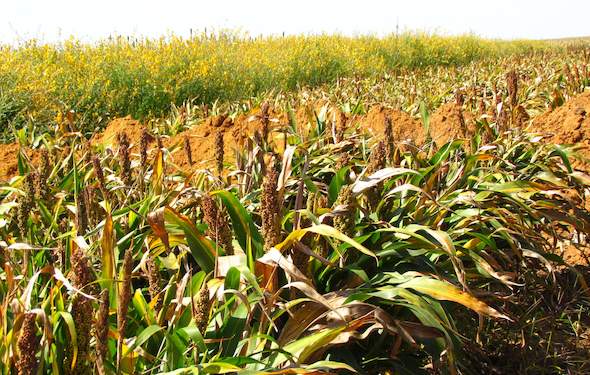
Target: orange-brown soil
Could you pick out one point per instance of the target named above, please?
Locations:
(9, 159)
(576, 255)
(405, 127)
(235, 133)
(568, 124)
(451, 122)
(108, 137)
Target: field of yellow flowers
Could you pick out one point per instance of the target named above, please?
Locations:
(142, 78)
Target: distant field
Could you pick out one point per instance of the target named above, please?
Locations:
(582, 39)
(142, 78)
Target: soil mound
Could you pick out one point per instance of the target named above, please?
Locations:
(451, 122)
(9, 160)
(108, 137)
(405, 128)
(568, 124)
(235, 132)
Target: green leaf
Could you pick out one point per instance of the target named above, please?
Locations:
(304, 347)
(67, 317)
(245, 230)
(336, 184)
(202, 250)
(143, 337)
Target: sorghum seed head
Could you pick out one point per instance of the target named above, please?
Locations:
(264, 118)
(124, 159)
(341, 127)
(124, 292)
(101, 331)
(30, 183)
(154, 282)
(187, 150)
(377, 159)
(45, 166)
(92, 208)
(82, 312)
(202, 307)
(99, 173)
(81, 273)
(28, 344)
(345, 222)
(82, 212)
(512, 82)
(343, 160)
(482, 107)
(270, 208)
(459, 98)
(144, 142)
(22, 216)
(218, 227)
(219, 152)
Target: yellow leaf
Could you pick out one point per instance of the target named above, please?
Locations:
(445, 291)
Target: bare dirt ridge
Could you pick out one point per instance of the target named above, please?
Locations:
(108, 137)
(567, 124)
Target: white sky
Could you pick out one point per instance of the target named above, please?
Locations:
(52, 20)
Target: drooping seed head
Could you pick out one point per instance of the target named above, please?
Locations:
(28, 345)
(201, 310)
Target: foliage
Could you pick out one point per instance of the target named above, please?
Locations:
(431, 259)
(119, 76)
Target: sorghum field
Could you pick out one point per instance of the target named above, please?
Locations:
(302, 205)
